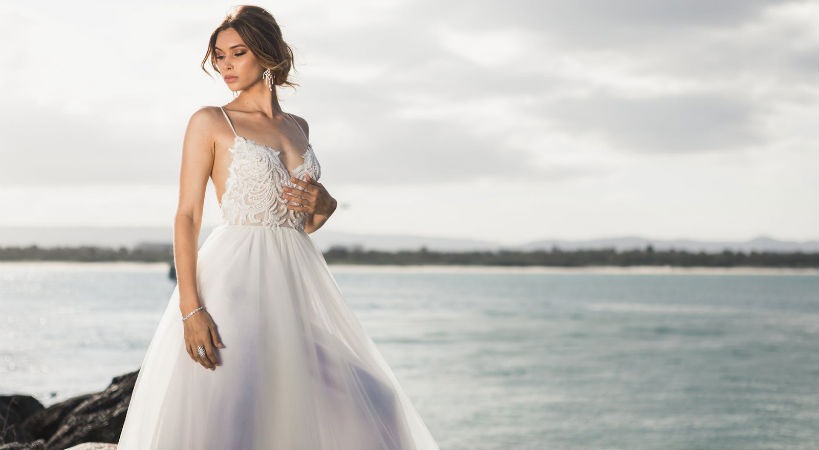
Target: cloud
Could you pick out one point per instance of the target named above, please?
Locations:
(555, 111)
(404, 92)
(596, 23)
(678, 123)
(49, 147)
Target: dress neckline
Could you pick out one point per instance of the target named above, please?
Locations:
(275, 152)
(294, 173)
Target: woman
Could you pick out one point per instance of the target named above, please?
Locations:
(266, 353)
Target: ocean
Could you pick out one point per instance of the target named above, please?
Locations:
(493, 358)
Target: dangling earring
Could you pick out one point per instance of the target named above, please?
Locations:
(268, 78)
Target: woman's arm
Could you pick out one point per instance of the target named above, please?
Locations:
(197, 163)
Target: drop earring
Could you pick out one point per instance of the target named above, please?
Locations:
(268, 78)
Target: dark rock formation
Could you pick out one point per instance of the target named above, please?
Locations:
(39, 444)
(13, 410)
(44, 423)
(26, 425)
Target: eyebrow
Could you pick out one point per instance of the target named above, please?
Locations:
(232, 46)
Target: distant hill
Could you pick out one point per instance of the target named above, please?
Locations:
(158, 236)
(761, 243)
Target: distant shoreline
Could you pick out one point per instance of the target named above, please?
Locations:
(443, 268)
(611, 260)
(586, 269)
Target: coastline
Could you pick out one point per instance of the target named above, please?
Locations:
(444, 268)
(648, 270)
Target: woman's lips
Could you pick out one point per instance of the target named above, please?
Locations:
(229, 79)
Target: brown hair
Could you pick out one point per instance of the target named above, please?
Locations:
(260, 32)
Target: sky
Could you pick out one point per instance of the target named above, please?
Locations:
(505, 121)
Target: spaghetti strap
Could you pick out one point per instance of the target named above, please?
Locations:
(300, 128)
(228, 121)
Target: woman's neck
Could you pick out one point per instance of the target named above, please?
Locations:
(258, 98)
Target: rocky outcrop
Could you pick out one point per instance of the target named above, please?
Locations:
(85, 422)
(14, 409)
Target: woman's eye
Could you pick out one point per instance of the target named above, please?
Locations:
(222, 56)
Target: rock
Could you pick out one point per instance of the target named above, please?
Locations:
(93, 446)
(86, 422)
(98, 418)
(14, 409)
(39, 444)
(43, 424)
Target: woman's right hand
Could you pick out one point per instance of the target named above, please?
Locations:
(200, 330)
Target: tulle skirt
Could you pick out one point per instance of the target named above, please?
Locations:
(298, 371)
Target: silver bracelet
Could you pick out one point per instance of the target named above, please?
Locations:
(193, 312)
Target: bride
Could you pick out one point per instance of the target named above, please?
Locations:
(257, 347)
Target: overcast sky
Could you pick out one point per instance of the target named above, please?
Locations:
(509, 121)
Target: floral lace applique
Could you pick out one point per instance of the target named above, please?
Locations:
(253, 190)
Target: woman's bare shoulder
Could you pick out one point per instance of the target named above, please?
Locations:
(301, 121)
(206, 113)
(203, 119)
(201, 126)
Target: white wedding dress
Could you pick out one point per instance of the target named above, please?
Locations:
(298, 370)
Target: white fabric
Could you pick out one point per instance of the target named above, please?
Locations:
(298, 371)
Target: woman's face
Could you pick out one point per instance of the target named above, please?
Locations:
(237, 65)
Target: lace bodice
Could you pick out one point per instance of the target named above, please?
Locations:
(256, 175)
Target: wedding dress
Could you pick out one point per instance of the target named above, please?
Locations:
(298, 370)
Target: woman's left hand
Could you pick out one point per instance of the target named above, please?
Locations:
(309, 196)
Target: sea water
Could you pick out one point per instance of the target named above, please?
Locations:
(493, 358)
